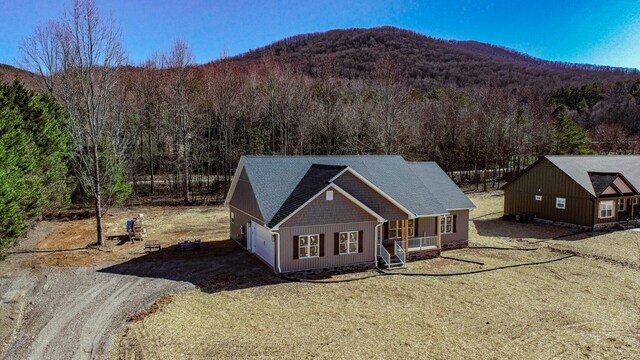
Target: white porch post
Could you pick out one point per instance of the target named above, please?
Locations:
(438, 232)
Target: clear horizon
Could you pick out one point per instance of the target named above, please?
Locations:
(576, 31)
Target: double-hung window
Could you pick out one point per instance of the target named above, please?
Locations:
(605, 209)
(308, 246)
(446, 224)
(348, 242)
(622, 206)
(561, 203)
(395, 229)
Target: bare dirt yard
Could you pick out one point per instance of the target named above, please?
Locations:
(61, 299)
(220, 302)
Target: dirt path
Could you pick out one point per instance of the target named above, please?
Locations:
(70, 312)
(73, 313)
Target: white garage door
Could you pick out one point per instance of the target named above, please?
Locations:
(262, 243)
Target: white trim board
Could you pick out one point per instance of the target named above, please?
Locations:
(234, 183)
(341, 191)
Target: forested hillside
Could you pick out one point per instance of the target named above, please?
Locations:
(427, 62)
(482, 112)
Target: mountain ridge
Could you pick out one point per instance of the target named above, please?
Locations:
(446, 62)
(424, 61)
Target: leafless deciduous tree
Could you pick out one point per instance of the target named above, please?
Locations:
(79, 57)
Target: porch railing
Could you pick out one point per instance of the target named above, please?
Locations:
(399, 251)
(422, 243)
(384, 254)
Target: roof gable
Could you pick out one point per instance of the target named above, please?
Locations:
(609, 191)
(622, 185)
(315, 179)
(602, 182)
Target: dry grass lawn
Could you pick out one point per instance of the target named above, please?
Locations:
(579, 307)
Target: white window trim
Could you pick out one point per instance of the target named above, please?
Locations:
(233, 218)
(622, 202)
(564, 203)
(607, 208)
(443, 224)
(329, 195)
(348, 242)
(308, 246)
(398, 228)
(538, 197)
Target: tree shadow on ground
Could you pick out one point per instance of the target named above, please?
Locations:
(216, 266)
(122, 239)
(516, 230)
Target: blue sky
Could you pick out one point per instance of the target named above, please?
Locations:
(586, 31)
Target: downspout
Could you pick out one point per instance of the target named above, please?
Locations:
(376, 232)
(278, 252)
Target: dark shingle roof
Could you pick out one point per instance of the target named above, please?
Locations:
(578, 168)
(275, 178)
(601, 181)
(316, 179)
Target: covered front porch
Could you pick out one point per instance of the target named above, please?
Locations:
(404, 240)
(623, 210)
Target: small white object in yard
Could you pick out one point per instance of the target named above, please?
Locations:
(635, 229)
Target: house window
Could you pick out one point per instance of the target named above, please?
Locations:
(606, 209)
(330, 195)
(446, 224)
(233, 217)
(348, 242)
(561, 203)
(308, 246)
(395, 229)
(621, 205)
(634, 201)
(538, 197)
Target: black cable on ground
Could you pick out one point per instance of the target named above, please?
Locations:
(385, 273)
(290, 279)
(570, 234)
(485, 270)
(463, 260)
(501, 248)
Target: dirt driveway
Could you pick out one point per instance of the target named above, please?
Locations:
(74, 312)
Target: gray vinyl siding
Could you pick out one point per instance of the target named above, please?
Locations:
(371, 198)
(240, 219)
(329, 260)
(322, 211)
(547, 180)
(427, 227)
(461, 225)
(244, 198)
